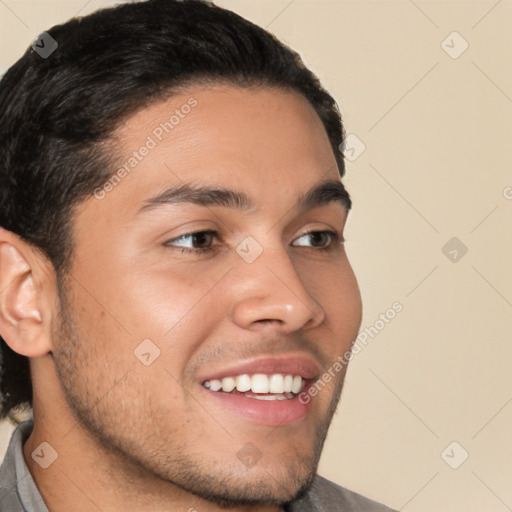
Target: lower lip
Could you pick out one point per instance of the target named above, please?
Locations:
(265, 412)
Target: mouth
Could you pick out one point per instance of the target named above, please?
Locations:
(259, 386)
(267, 395)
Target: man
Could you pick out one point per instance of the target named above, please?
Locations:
(173, 279)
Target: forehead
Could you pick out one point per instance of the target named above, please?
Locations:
(246, 132)
(220, 113)
(265, 143)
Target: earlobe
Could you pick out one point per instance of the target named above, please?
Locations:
(24, 323)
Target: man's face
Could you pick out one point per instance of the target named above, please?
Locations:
(150, 330)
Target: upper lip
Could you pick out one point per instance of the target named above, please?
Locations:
(287, 364)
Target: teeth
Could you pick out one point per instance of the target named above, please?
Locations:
(297, 384)
(288, 383)
(215, 385)
(228, 384)
(276, 384)
(259, 383)
(243, 383)
(267, 397)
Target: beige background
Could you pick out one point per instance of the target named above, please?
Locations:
(436, 165)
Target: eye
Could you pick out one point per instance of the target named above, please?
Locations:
(199, 236)
(328, 241)
(332, 238)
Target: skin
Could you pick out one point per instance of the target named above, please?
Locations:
(136, 437)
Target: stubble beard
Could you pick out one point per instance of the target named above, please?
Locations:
(224, 489)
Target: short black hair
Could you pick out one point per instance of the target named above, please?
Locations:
(57, 113)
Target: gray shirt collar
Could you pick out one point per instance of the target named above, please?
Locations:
(18, 491)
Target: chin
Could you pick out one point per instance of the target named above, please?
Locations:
(279, 477)
(261, 488)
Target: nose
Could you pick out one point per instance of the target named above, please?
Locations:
(270, 291)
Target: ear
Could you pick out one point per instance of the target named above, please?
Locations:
(27, 296)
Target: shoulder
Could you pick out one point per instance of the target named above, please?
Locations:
(326, 496)
(8, 480)
(18, 492)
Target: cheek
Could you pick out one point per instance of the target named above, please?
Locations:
(335, 287)
(132, 347)
(349, 297)
(170, 310)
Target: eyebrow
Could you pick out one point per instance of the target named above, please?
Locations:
(321, 194)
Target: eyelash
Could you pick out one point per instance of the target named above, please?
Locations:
(335, 238)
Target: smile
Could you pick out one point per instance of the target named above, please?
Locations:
(259, 386)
